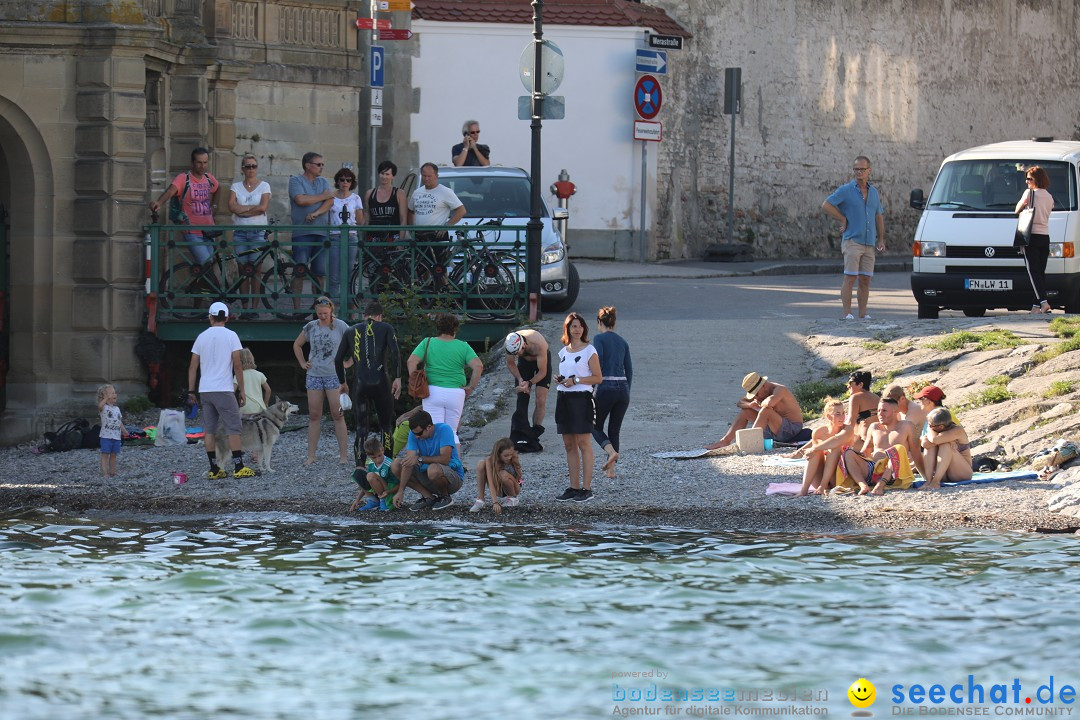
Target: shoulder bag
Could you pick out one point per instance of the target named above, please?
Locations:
(418, 384)
(1022, 237)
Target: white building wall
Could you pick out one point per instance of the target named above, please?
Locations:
(471, 70)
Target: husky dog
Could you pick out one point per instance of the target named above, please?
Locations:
(258, 432)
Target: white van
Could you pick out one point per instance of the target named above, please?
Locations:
(963, 253)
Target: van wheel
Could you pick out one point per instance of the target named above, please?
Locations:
(928, 312)
(974, 312)
(1073, 307)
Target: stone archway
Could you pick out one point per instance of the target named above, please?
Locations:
(27, 192)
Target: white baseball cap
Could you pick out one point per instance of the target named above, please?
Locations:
(218, 308)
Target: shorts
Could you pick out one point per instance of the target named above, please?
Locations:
(575, 413)
(201, 248)
(787, 432)
(246, 241)
(314, 382)
(306, 251)
(528, 367)
(109, 446)
(858, 258)
(223, 406)
(451, 475)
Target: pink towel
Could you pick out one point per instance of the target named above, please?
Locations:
(783, 488)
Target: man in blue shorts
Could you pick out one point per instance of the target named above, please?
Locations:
(429, 464)
(857, 205)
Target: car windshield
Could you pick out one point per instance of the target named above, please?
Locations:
(997, 184)
(489, 196)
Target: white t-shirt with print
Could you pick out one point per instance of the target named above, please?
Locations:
(250, 197)
(435, 206)
(575, 362)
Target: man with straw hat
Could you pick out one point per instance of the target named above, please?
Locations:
(766, 405)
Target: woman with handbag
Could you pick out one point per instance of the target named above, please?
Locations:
(444, 359)
(1040, 203)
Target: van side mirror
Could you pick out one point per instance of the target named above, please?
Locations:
(917, 200)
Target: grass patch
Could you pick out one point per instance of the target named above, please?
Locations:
(983, 340)
(1059, 387)
(843, 369)
(884, 381)
(811, 395)
(1065, 327)
(874, 345)
(996, 392)
(1053, 351)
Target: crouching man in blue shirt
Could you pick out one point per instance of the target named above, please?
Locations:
(429, 464)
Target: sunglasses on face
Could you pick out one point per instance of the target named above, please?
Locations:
(317, 164)
(250, 167)
(322, 302)
(420, 430)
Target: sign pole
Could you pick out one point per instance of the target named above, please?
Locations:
(644, 181)
(535, 226)
(371, 147)
(731, 185)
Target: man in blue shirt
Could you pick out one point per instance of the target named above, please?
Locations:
(310, 200)
(429, 464)
(857, 206)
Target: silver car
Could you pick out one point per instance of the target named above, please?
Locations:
(503, 193)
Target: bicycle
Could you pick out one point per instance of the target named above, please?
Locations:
(391, 265)
(488, 277)
(187, 287)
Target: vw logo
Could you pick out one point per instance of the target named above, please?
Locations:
(989, 252)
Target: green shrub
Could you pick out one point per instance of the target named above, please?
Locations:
(843, 369)
(811, 395)
(137, 404)
(984, 340)
(1059, 387)
(1073, 343)
(996, 392)
(1065, 327)
(874, 345)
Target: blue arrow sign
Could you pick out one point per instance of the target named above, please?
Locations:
(652, 61)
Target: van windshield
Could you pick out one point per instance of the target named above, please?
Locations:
(997, 184)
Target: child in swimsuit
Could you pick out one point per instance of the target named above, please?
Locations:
(500, 473)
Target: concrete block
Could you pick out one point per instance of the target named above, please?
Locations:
(127, 308)
(88, 307)
(129, 72)
(187, 90)
(89, 256)
(127, 262)
(93, 216)
(89, 360)
(93, 72)
(47, 72)
(93, 105)
(93, 140)
(128, 176)
(223, 134)
(92, 177)
(124, 365)
(130, 106)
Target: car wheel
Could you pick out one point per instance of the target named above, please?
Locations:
(573, 285)
(973, 312)
(928, 312)
(1072, 307)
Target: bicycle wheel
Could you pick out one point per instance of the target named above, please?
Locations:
(496, 288)
(277, 293)
(182, 291)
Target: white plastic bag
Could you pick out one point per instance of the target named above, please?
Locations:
(346, 402)
(170, 429)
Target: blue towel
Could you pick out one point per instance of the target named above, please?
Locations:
(983, 478)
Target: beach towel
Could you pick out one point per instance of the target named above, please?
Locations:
(784, 462)
(695, 453)
(792, 488)
(895, 465)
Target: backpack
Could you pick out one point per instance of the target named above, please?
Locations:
(68, 436)
(177, 216)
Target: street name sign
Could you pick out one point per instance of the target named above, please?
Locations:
(651, 61)
(668, 42)
(649, 131)
(395, 34)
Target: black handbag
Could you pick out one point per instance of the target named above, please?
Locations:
(1022, 237)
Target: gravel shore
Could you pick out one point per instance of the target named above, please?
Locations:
(726, 492)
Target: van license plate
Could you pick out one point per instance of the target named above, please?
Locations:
(979, 284)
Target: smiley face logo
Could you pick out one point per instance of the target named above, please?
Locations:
(862, 693)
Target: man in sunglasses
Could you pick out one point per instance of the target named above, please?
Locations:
(857, 206)
(469, 151)
(310, 200)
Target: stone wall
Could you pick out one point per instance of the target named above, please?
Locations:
(905, 82)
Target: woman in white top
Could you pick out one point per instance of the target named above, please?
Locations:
(248, 200)
(575, 411)
(345, 199)
(1038, 250)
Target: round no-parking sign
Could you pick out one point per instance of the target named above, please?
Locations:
(648, 97)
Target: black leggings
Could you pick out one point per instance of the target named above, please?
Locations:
(612, 400)
(1035, 256)
(365, 398)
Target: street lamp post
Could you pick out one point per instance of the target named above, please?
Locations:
(534, 226)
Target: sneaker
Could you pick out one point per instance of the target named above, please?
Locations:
(244, 472)
(849, 316)
(568, 494)
(442, 502)
(477, 505)
(422, 504)
(371, 504)
(386, 504)
(509, 501)
(866, 317)
(218, 474)
(583, 496)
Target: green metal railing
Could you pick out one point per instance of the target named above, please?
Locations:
(478, 272)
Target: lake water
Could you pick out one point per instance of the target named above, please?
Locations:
(275, 616)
